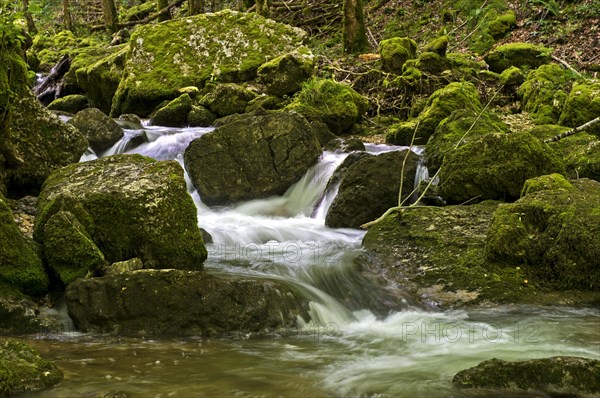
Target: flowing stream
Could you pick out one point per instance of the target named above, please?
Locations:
(364, 338)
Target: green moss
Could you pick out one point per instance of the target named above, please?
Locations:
(432, 63)
(20, 266)
(71, 103)
(462, 125)
(396, 51)
(23, 370)
(174, 114)
(199, 116)
(521, 55)
(228, 99)
(580, 152)
(499, 27)
(495, 166)
(439, 106)
(512, 77)
(582, 105)
(544, 93)
(139, 12)
(50, 48)
(438, 45)
(285, 74)
(552, 232)
(546, 182)
(335, 104)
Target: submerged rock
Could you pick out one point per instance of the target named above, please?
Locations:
(370, 186)
(126, 205)
(181, 303)
(229, 46)
(557, 376)
(252, 156)
(101, 131)
(22, 369)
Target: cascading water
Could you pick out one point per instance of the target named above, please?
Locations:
(363, 339)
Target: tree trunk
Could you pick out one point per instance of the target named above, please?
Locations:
(196, 7)
(354, 31)
(263, 7)
(160, 5)
(110, 15)
(30, 24)
(68, 20)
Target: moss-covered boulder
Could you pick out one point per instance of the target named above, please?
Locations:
(129, 205)
(227, 45)
(582, 105)
(370, 186)
(432, 63)
(285, 74)
(22, 369)
(438, 107)
(100, 77)
(199, 116)
(69, 249)
(502, 24)
(252, 156)
(20, 266)
(71, 103)
(44, 143)
(181, 303)
(335, 104)
(438, 45)
(495, 166)
(228, 99)
(139, 12)
(555, 376)
(101, 131)
(552, 232)
(544, 93)
(395, 52)
(521, 55)
(50, 47)
(462, 126)
(174, 114)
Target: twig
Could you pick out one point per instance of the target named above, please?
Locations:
(573, 131)
(564, 63)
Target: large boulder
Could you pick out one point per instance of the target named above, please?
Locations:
(285, 74)
(370, 186)
(44, 143)
(495, 166)
(22, 369)
(126, 205)
(555, 376)
(228, 45)
(395, 52)
(335, 104)
(552, 232)
(101, 131)
(439, 106)
(582, 106)
(20, 266)
(521, 55)
(181, 303)
(544, 93)
(253, 156)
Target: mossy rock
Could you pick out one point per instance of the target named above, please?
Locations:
(438, 45)
(495, 166)
(395, 52)
(43, 141)
(100, 79)
(139, 12)
(199, 116)
(101, 131)
(285, 74)
(169, 303)
(22, 369)
(552, 232)
(228, 46)
(251, 156)
(432, 63)
(228, 99)
(512, 77)
(463, 125)
(68, 248)
(81, 59)
(50, 48)
(335, 104)
(20, 266)
(438, 107)
(544, 93)
(502, 25)
(19, 315)
(370, 186)
(556, 376)
(267, 102)
(582, 105)
(130, 206)
(174, 114)
(521, 55)
(71, 103)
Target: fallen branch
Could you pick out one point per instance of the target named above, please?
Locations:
(149, 18)
(573, 131)
(565, 64)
